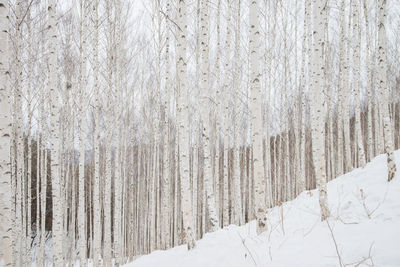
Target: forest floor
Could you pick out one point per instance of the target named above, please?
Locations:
(364, 230)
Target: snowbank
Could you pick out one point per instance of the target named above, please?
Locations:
(364, 230)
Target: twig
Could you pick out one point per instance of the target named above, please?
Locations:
(168, 18)
(244, 244)
(363, 203)
(26, 12)
(358, 263)
(336, 246)
(341, 220)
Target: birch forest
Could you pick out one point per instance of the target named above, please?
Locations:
(129, 126)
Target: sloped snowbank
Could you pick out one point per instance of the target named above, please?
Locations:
(365, 225)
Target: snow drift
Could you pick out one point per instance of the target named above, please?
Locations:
(364, 230)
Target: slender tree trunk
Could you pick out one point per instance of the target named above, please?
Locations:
(302, 180)
(256, 117)
(54, 138)
(206, 128)
(81, 156)
(29, 148)
(19, 137)
(5, 145)
(357, 88)
(183, 127)
(96, 187)
(318, 106)
(218, 187)
(165, 198)
(345, 45)
(227, 63)
(371, 116)
(236, 201)
(384, 89)
(107, 204)
(341, 93)
(117, 137)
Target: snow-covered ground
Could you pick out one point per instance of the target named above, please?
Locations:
(364, 230)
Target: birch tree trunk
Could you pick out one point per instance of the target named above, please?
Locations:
(371, 111)
(345, 46)
(225, 204)
(107, 203)
(54, 137)
(302, 180)
(256, 116)
(384, 89)
(356, 88)
(165, 198)
(267, 116)
(28, 240)
(19, 137)
(82, 117)
(206, 128)
(96, 187)
(183, 121)
(118, 135)
(236, 200)
(318, 105)
(5, 145)
(341, 93)
(218, 187)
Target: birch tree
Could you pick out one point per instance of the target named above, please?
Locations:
(5, 133)
(383, 89)
(81, 138)
(342, 124)
(165, 198)
(206, 128)
(96, 188)
(356, 84)
(256, 116)
(54, 139)
(318, 106)
(236, 206)
(183, 121)
(225, 200)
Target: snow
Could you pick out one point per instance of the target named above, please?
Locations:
(365, 226)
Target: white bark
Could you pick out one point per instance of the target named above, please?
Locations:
(81, 137)
(29, 143)
(165, 198)
(302, 179)
(346, 92)
(383, 89)
(236, 199)
(357, 85)
(256, 116)
(54, 137)
(225, 204)
(107, 205)
(218, 142)
(318, 104)
(96, 187)
(118, 135)
(5, 133)
(371, 111)
(341, 93)
(19, 137)
(205, 117)
(183, 123)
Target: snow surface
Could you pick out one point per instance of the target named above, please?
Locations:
(365, 225)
